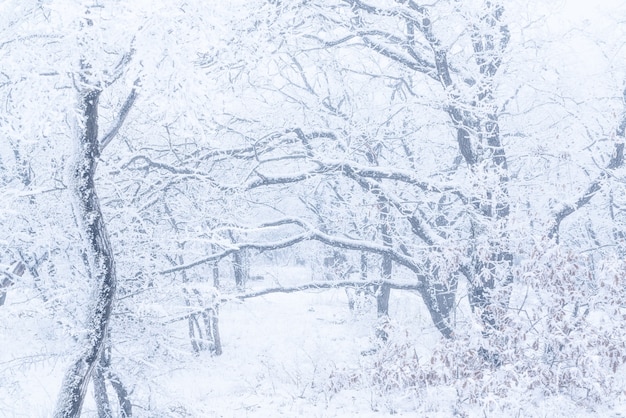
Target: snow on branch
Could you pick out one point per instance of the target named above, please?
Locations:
(415, 62)
(258, 246)
(271, 181)
(418, 227)
(128, 104)
(309, 234)
(354, 170)
(617, 160)
(159, 165)
(328, 285)
(357, 284)
(385, 173)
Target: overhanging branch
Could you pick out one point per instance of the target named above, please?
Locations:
(309, 234)
(329, 285)
(308, 286)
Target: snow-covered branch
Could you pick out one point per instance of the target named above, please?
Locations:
(355, 284)
(617, 160)
(121, 117)
(329, 285)
(418, 227)
(309, 234)
(242, 246)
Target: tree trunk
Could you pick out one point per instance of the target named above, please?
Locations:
(211, 318)
(439, 297)
(126, 408)
(104, 367)
(364, 266)
(100, 392)
(216, 273)
(5, 282)
(101, 262)
(239, 269)
(383, 291)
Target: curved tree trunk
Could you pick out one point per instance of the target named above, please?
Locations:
(101, 263)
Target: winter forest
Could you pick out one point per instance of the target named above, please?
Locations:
(312, 208)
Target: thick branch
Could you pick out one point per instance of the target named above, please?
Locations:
(12, 277)
(257, 246)
(160, 166)
(272, 181)
(358, 4)
(128, 104)
(378, 173)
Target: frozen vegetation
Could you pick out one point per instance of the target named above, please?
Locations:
(318, 208)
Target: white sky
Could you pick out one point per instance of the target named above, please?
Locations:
(577, 11)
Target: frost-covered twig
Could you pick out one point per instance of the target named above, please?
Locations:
(328, 285)
(303, 287)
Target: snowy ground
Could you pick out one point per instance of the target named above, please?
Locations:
(288, 355)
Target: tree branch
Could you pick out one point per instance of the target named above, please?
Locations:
(128, 104)
(617, 160)
(308, 286)
(329, 285)
(417, 226)
(419, 65)
(309, 234)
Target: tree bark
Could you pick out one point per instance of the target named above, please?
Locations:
(101, 261)
(100, 392)
(104, 367)
(126, 408)
(239, 268)
(383, 291)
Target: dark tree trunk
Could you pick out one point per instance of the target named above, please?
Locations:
(491, 201)
(100, 392)
(104, 367)
(439, 297)
(204, 325)
(240, 265)
(382, 294)
(383, 291)
(101, 262)
(5, 282)
(216, 275)
(126, 408)
(239, 269)
(364, 266)
(211, 320)
(193, 326)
